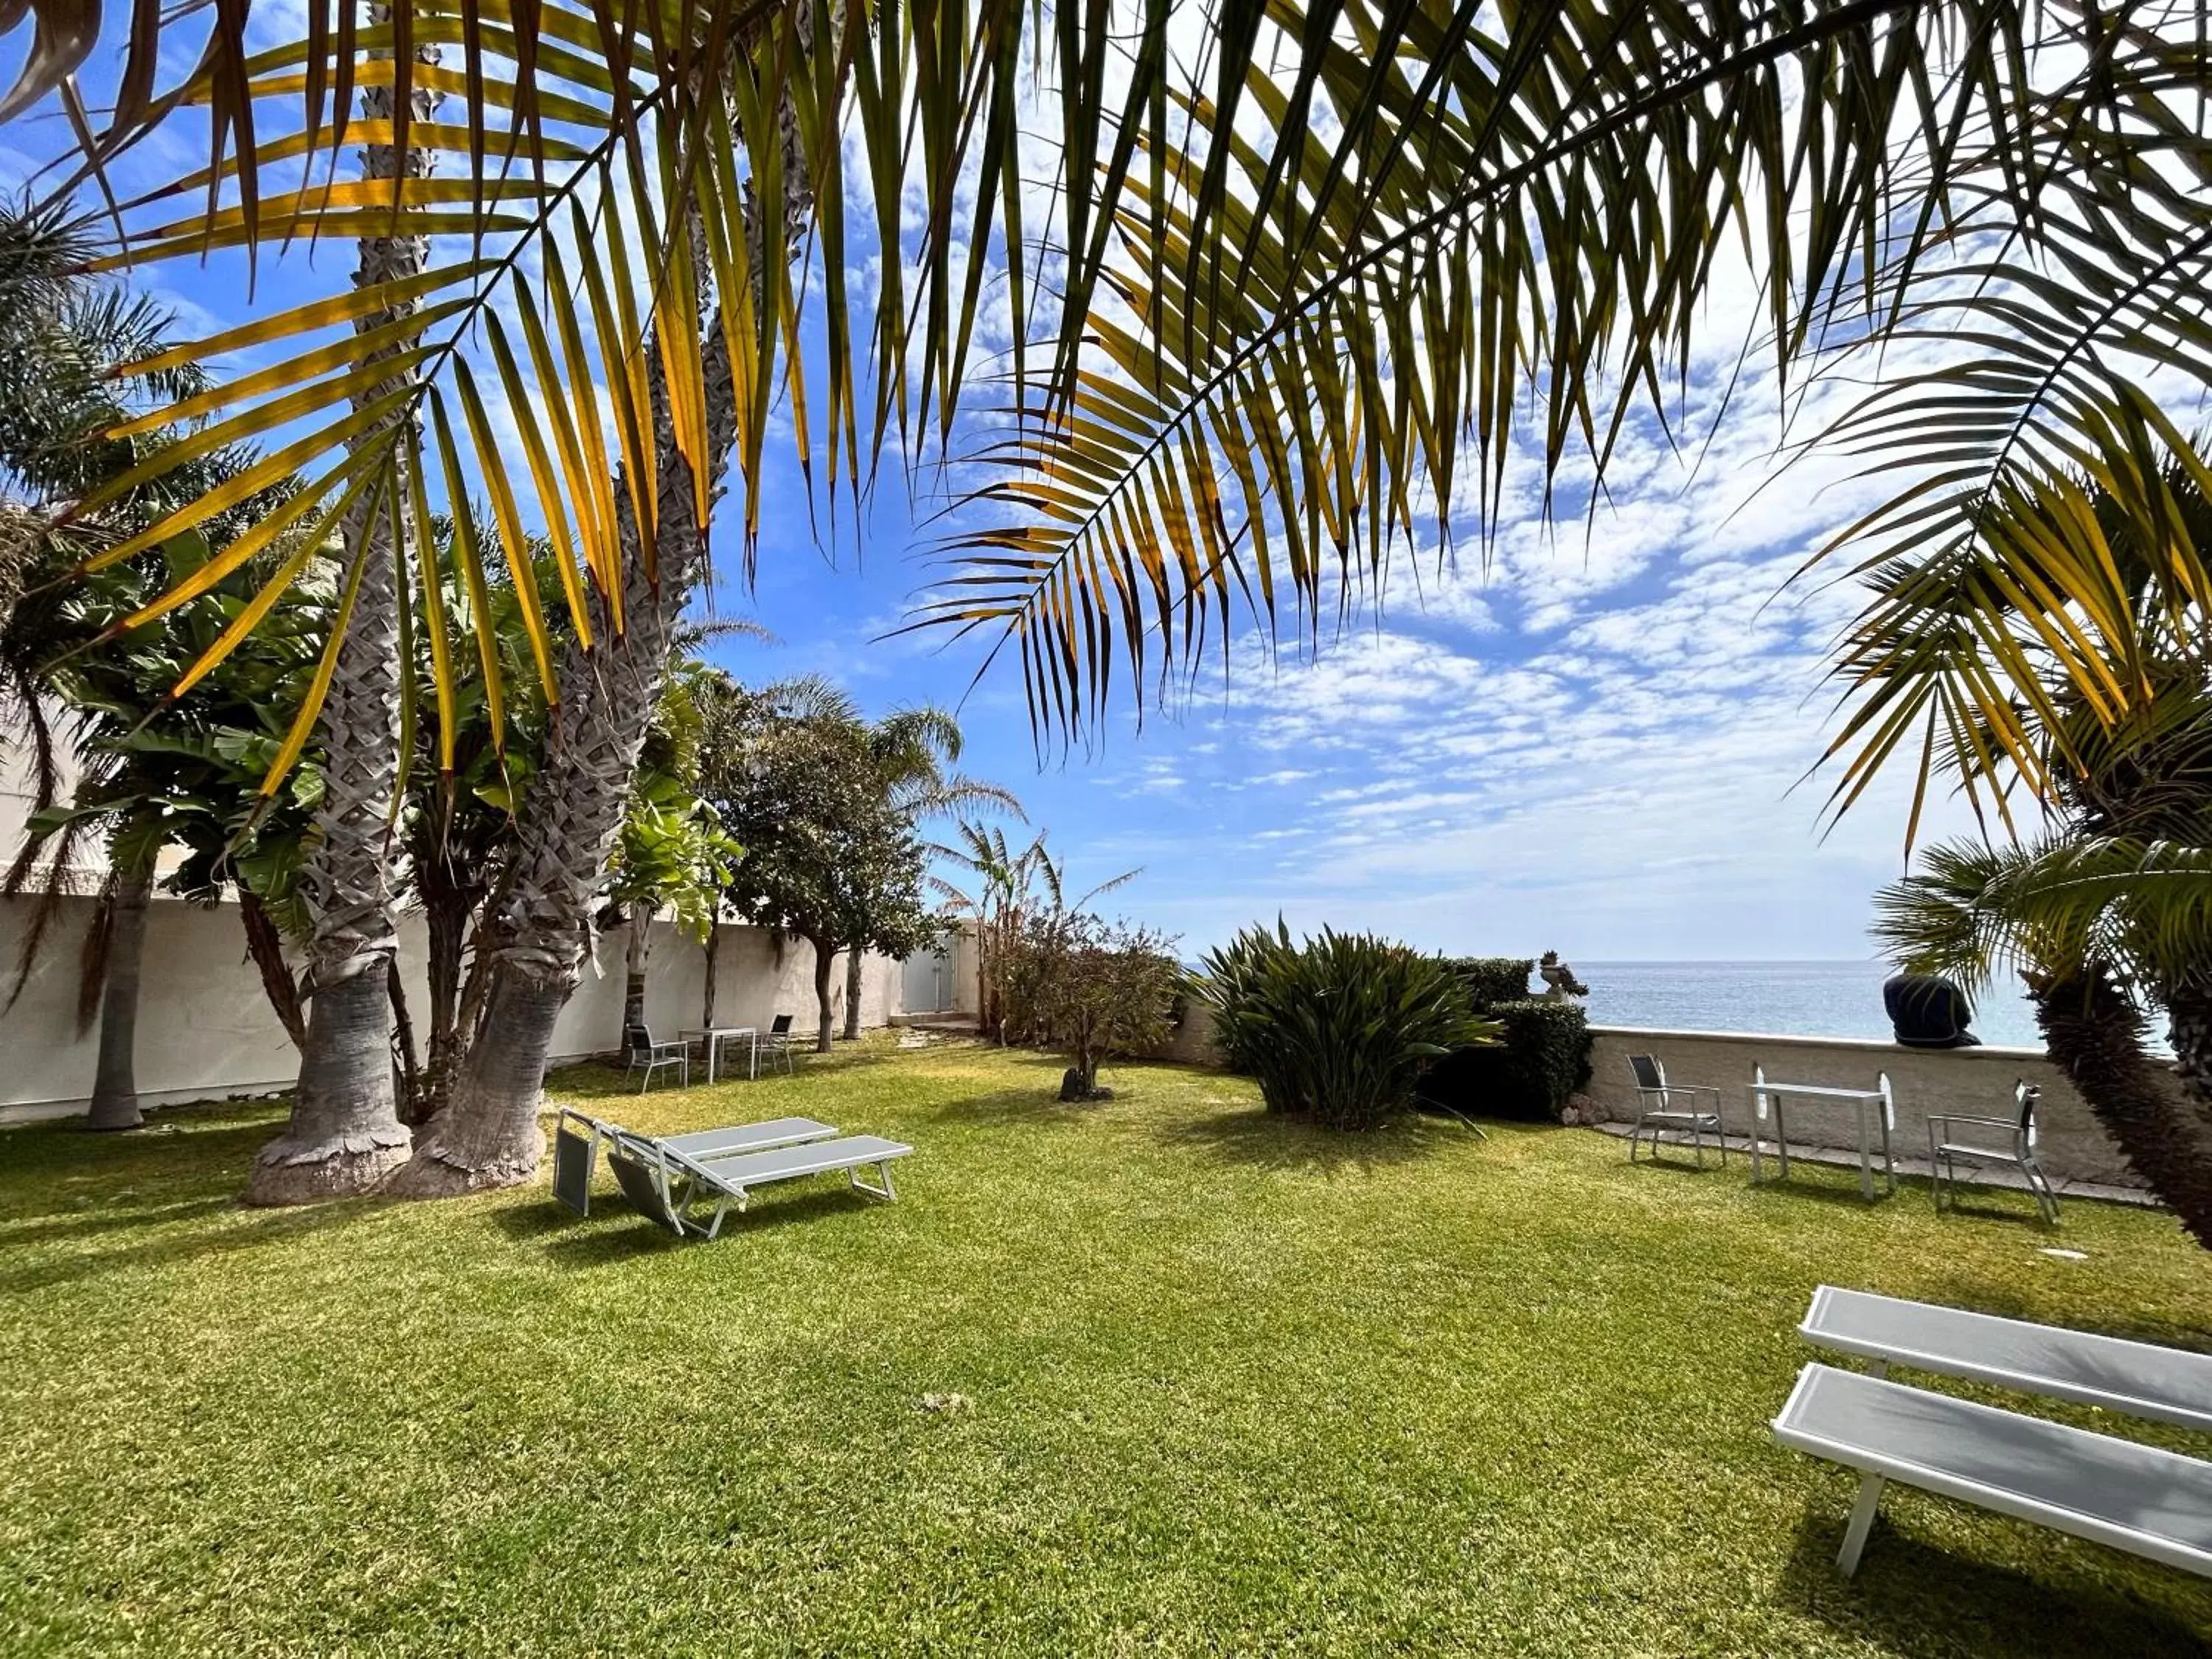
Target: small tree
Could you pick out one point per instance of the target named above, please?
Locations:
(1093, 989)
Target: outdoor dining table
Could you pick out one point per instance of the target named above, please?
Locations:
(711, 1037)
(1766, 1094)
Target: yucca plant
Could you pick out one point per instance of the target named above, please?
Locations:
(1340, 1027)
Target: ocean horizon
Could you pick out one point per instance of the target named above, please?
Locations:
(1830, 998)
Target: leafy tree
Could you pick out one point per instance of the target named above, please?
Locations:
(1092, 988)
(830, 856)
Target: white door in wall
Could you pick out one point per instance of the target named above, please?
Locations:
(925, 987)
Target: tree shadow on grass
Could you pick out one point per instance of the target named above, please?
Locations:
(614, 1232)
(55, 1226)
(250, 1230)
(1039, 1107)
(1913, 1597)
(1267, 1140)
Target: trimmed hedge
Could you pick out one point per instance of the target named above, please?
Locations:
(1542, 1059)
(1492, 980)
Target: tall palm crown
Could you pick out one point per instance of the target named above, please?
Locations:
(1276, 307)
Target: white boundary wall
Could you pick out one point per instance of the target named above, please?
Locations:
(206, 1030)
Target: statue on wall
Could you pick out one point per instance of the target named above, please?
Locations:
(1560, 984)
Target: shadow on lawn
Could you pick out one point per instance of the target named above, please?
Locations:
(1267, 1140)
(614, 1233)
(246, 1229)
(1912, 1597)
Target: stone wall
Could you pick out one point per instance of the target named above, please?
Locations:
(2071, 1145)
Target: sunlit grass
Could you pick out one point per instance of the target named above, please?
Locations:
(1231, 1386)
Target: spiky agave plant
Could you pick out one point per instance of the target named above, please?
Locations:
(1340, 1027)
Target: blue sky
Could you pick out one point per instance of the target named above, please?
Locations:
(1593, 744)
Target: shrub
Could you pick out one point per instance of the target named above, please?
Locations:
(1542, 1057)
(1092, 989)
(1492, 980)
(1340, 1027)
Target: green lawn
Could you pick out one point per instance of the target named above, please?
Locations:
(1235, 1386)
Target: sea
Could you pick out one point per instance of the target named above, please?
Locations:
(1778, 999)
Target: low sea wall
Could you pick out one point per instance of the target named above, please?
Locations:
(2070, 1141)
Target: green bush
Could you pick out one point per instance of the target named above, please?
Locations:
(1340, 1027)
(1492, 980)
(1542, 1059)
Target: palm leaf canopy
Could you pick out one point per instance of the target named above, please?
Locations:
(1278, 307)
(589, 179)
(1393, 244)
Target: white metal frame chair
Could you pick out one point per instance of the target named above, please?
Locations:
(1657, 1112)
(639, 1050)
(1945, 1151)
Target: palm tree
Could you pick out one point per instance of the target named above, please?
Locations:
(1011, 888)
(2103, 909)
(2097, 926)
(62, 338)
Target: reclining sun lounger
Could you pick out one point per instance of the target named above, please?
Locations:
(2169, 1385)
(575, 1154)
(665, 1182)
(2138, 1498)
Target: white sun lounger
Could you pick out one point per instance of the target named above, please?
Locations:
(2169, 1385)
(575, 1153)
(2135, 1497)
(665, 1182)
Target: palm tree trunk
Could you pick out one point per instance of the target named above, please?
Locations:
(714, 950)
(115, 1084)
(2189, 1029)
(265, 943)
(345, 1135)
(448, 907)
(825, 953)
(855, 962)
(633, 965)
(488, 1136)
(2094, 1033)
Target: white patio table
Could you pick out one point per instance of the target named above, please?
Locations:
(1768, 1096)
(713, 1035)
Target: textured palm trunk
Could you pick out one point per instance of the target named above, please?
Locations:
(707, 1000)
(265, 943)
(448, 907)
(115, 1083)
(634, 966)
(2095, 1034)
(537, 934)
(2189, 1029)
(855, 968)
(825, 957)
(345, 1136)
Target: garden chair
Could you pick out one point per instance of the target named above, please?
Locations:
(1658, 1110)
(2143, 1379)
(664, 1183)
(775, 1043)
(640, 1050)
(576, 1139)
(2017, 1134)
(2135, 1497)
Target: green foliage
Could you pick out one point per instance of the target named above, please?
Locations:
(829, 854)
(1491, 979)
(1340, 1027)
(1540, 1059)
(1092, 989)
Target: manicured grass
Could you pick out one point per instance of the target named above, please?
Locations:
(1234, 1386)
